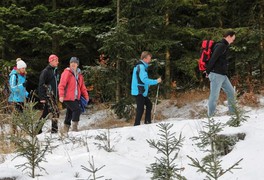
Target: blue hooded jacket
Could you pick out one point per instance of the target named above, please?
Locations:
(140, 81)
(18, 92)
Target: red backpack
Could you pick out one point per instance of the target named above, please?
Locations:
(207, 49)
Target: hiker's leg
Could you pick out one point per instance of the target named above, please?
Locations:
(45, 112)
(68, 116)
(76, 112)
(230, 92)
(140, 109)
(54, 125)
(215, 87)
(148, 110)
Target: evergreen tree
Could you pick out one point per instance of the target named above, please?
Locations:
(168, 146)
(237, 118)
(28, 146)
(208, 142)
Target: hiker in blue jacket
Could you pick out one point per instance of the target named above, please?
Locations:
(17, 82)
(140, 86)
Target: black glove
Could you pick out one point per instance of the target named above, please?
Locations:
(25, 84)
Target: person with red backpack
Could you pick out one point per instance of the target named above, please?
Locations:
(216, 70)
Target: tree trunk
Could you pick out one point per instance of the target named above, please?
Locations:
(55, 43)
(117, 93)
(167, 62)
(2, 48)
(261, 64)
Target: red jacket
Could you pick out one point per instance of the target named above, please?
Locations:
(68, 84)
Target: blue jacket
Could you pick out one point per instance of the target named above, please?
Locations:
(140, 81)
(18, 92)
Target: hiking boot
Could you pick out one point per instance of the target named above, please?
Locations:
(75, 126)
(66, 128)
(54, 126)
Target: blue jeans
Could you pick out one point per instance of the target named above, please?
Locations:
(218, 81)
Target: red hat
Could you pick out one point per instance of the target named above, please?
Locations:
(52, 57)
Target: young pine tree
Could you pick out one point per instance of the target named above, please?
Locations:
(238, 117)
(208, 141)
(29, 146)
(169, 146)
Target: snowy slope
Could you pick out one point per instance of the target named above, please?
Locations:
(132, 153)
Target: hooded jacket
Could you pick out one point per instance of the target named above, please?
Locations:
(18, 92)
(71, 89)
(140, 81)
(218, 62)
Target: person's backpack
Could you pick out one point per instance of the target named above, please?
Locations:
(6, 90)
(207, 50)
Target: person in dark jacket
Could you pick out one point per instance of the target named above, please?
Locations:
(217, 72)
(48, 81)
(139, 88)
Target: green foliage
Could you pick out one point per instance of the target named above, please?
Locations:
(33, 30)
(168, 146)
(124, 108)
(209, 142)
(105, 141)
(29, 146)
(93, 170)
(102, 81)
(237, 118)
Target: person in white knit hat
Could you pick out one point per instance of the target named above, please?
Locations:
(17, 83)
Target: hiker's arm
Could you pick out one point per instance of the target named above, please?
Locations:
(219, 50)
(62, 85)
(143, 75)
(14, 86)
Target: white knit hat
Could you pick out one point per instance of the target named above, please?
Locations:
(20, 63)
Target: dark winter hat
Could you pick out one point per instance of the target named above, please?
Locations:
(74, 59)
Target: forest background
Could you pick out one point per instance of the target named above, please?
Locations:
(109, 35)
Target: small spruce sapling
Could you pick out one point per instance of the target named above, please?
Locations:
(92, 169)
(238, 117)
(29, 146)
(208, 141)
(105, 141)
(169, 146)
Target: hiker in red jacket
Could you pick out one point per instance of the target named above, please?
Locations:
(71, 87)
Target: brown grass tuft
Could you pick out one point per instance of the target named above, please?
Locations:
(109, 123)
(249, 99)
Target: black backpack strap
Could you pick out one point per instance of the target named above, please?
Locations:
(140, 83)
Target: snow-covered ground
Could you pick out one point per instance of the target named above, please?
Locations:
(132, 153)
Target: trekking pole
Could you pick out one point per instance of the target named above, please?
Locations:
(155, 105)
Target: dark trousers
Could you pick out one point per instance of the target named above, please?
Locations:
(73, 111)
(141, 101)
(54, 122)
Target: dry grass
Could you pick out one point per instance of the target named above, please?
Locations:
(5, 145)
(249, 99)
(109, 123)
(195, 95)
